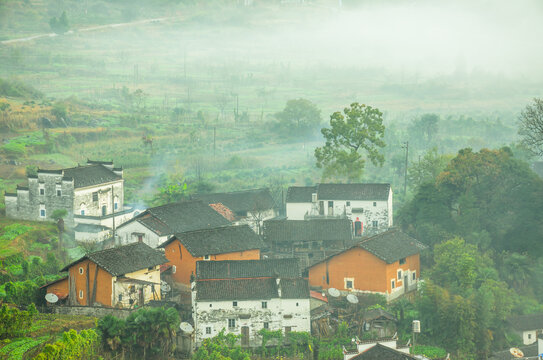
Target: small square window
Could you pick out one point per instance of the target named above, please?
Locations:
(231, 323)
(120, 297)
(414, 274)
(348, 203)
(375, 203)
(297, 304)
(210, 305)
(42, 213)
(42, 191)
(375, 223)
(402, 261)
(208, 330)
(59, 192)
(82, 212)
(529, 336)
(266, 325)
(349, 284)
(264, 304)
(399, 274)
(206, 257)
(234, 303)
(95, 196)
(116, 206)
(393, 284)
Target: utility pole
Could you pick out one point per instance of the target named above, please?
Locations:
(406, 147)
(113, 212)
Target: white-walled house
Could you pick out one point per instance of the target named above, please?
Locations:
(92, 194)
(156, 225)
(251, 207)
(368, 206)
(243, 297)
(529, 327)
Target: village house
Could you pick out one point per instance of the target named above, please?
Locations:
(250, 207)
(387, 349)
(528, 327)
(125, 277)
(244, 297)
(387, 263)
(368, 206)
(183, 250)
(156, 225)
(308, 240)
(92, 195)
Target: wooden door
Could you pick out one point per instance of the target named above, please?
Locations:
(244, 336)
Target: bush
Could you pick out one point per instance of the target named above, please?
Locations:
(14, 322)
(72, 346)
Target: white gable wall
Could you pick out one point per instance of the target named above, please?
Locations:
(126, 234)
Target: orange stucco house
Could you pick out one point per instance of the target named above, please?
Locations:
(125, 276)
(387, 263)
(222, 243)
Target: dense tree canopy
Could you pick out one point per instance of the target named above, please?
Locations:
(299, 117)
(531, 126)
(353, 136)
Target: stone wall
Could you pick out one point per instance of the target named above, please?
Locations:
(58, 193)
(98, 312)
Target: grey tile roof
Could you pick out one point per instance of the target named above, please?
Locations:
(381, 352)
(251, 289)
(299, 194)
(124, 259)
(181, 217)
(90, 228)
(241, 201)
(220, 240)
(307, 230)
(526, 322)
(367, 192)
(392, 245)
(235, 269)
(90, 175)
(373, 314)
(529, 351)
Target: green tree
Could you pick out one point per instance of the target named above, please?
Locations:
(531, 126)
(299, 117)
(221, 347)
(60, 25)
(428, 168)
(59, 110)
(353, 136)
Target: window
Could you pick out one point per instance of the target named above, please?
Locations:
(81, 271)
(131, 301)
(174, 268)
(264, 304)
(288, 329)
(234, 303)
(414, 275)
(393, 284)
(266, 325)
(150, 268)
(42, 191)
(348, 203)
(120, 297)
(208, 330)
(42, 213)
(59, 192)
(206, 257)
(399, 274)
(529, 336)
(82, 208)
(115, 202)
(402, 261)
(82, 212)
(95, 196)
(375, 203)
(115, 206)
(349, 283)
(375, 223)
(231, 323)
(314, 197)
(297, 304)
(81, 294)
(210, 305)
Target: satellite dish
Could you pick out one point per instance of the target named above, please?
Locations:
(352, 299)
(164, 286)
(186, 327)
(516, 352)
(52, 298)
(334, 292)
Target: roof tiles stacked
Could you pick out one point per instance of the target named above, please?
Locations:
(307, 230)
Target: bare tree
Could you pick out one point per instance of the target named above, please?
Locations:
(531, 126)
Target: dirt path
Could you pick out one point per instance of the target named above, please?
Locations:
(92, 28)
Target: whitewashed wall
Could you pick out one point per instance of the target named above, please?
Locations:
(125, 235)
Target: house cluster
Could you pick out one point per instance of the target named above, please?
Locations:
(243, 266)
